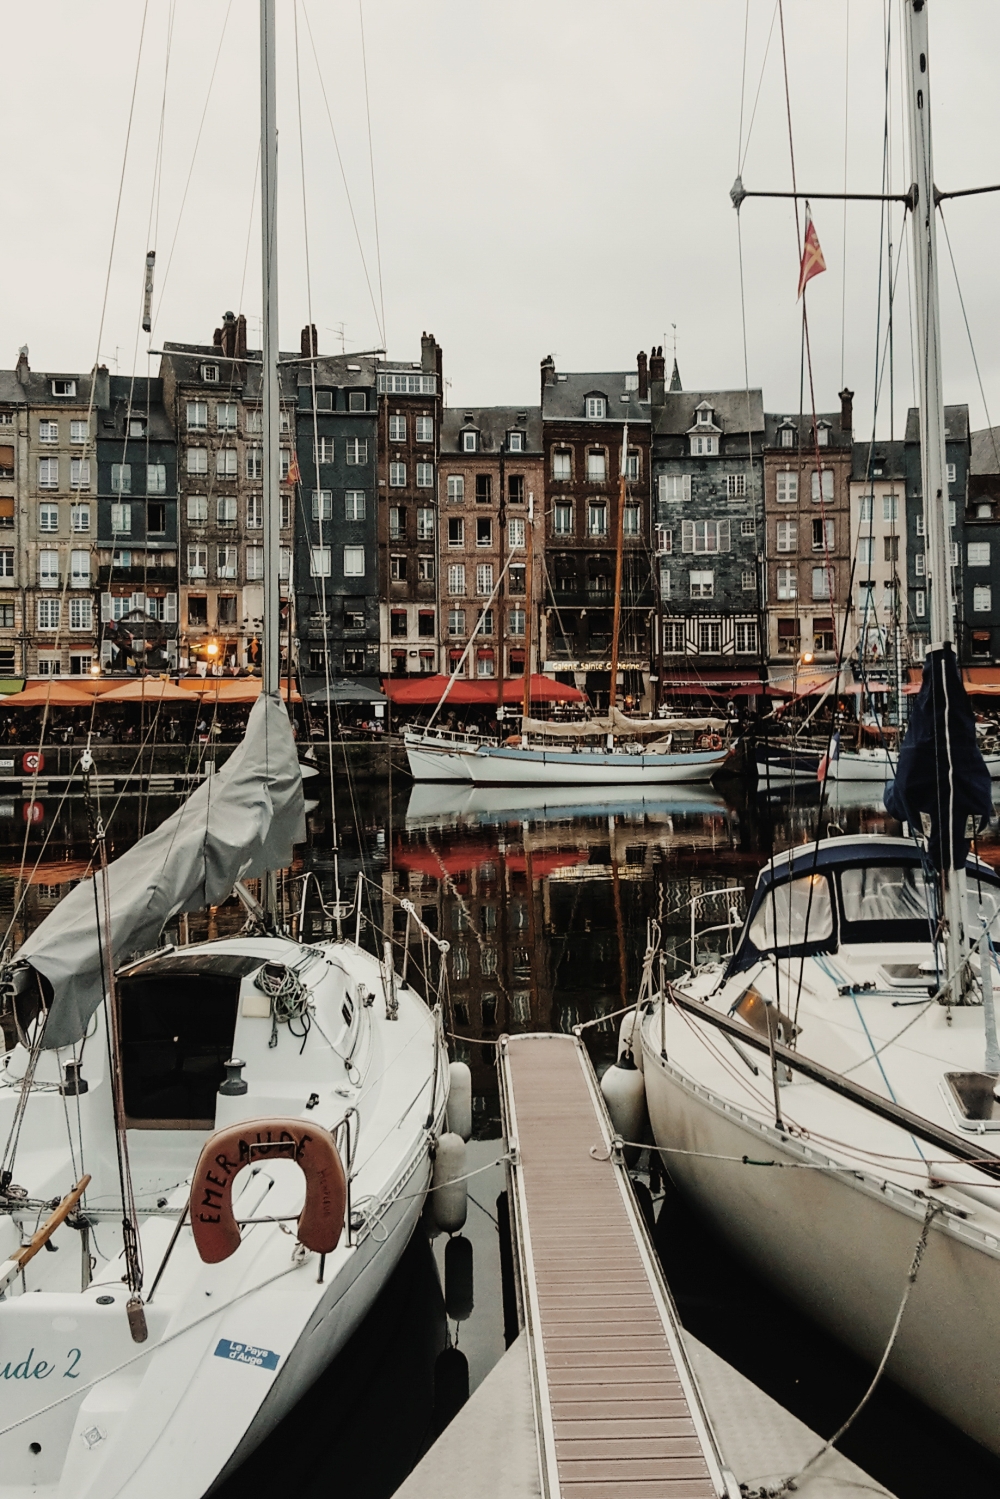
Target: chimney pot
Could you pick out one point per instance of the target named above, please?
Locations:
(640, 360)
(241, 337)
(846, 409)
(657, 367)
(548, 371)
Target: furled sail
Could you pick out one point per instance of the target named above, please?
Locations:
(237, 824)
(619, 724)
(941, 775)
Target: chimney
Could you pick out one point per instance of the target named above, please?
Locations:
(102, 388)
(23, 369)
(227, 335)
(428, 355)
(308, 341)
(640, 360)
(657, 365)
(217, 339)
(548, 372)
(846, 409)
(241, 337)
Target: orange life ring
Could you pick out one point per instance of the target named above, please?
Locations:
(710, 741)
(254, 1141)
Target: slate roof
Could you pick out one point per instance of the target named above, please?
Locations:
(493, 424)
(888, 456)
(956, 423)
(985, 451)
(12, 392)
(803, 425)
(343, 370)
(564, 399)
(147, 401)
(676, 416)
(187, 360)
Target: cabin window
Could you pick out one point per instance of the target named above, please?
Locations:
(877, 892)
(793, 913)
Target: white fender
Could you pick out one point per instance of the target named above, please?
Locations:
(449, 1197)
(460, 1099)
(624, 1092)
(629, 1038)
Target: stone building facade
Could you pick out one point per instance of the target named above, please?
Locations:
(971, 575)
(335, 522)
(807, 505)
(982, 530)
(213, 393)
(492, 472)
(14, 490)
(707, 483)
(583, 417)
(409, 427)
(879, 546)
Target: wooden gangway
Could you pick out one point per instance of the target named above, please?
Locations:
(617, 1408)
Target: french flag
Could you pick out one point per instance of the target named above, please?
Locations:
(833, 753)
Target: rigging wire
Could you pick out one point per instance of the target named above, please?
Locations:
(371, 166)
(843, 252)
(968, 332)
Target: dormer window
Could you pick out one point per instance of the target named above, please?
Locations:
(704, 446)
(703, 416)
(786, 436)
(515, 442)
(137, 426)
(632, 382)
(470, 442)
(210, 374)
(597, 408)
(822, 434)
(64, 388)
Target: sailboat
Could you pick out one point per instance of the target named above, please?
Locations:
(830, 1094)
(214, 1154)
(635, 752)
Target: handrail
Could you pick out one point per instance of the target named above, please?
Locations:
(712, 895)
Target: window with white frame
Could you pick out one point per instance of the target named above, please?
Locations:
(354, 504)
(319, 561)
(470, 442)
(456, 489)
(786, 487)
(631, 520)
(822, 435)
(705, 536)
(748, 528)
(866, 550)
(673, 488)
(48, 473)
(323, 450)
(285, 419)
(597, 466)
(821, 582)
(48, 518)
(701, 585)
(979, 553)
(823, 535)
(226, 415)
(456, 531)
(121, 478)
(64, 388)
(865, 503)
(255, 512)
(254, 463)
(425, 569)
(255, 563)
(597, 519)
(632, 465)
(49, 665)
(285, 564)
(920, 525)
(81, 614)
(226, 562)
(484, 579)
(425, 523)
(79, 569)
(562, 518)
(920, 603)
(322, 504)
(425, 476)
(197, 509)
(397, 475)
(748, 579)
(704, 445)
(156, 478)
(704, 414)
(225, 463)
(953, 548)
(285, 517)
(515, 533)
(515, 442)
(787, 583)
(121, 520)
(79, 518)
(49, 613)
(866, 596)
(254, 419)
(210, 374)
(562, 465)
(79, 432)
(197, 416)
(356, 451)
(48, 569)
(919, 564)
(48, 431)
(665, 581)
(516, 620)
(397, 567)
(709, 637)
(197, 460)
(673, 637)
(787, 536)
(79, 473)
(354, 562)
(423, 428)
(827, 474)
(890, 507)
(456, 622)
(456, 579)
(951, 472)
(597, 408)
(6, 562)
(736, 486)
(787, 437)
(225, 510)
(197, 561)
(397, 429)
(982, 599)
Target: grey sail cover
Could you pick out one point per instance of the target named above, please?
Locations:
(237, 824)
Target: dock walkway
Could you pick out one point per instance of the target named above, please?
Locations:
(617, 1407)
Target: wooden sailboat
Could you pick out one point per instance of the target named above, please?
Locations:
(635, 752)
(227, 1144)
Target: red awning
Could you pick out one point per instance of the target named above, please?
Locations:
(722, 684)
(461, 860)
(426, 691)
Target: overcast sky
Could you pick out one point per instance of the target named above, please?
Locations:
(552, 176)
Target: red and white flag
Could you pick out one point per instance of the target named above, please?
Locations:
(812, 255)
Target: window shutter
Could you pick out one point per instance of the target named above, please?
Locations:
(170, 608)
(687, 536)
(105, 606)
(107, 651)
(723, 536)
(139, 601)
(686, 485)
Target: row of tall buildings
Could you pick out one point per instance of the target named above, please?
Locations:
(131, 525)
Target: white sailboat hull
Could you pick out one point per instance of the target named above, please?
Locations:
(877, 766)
(486, 765)
(841, 1247)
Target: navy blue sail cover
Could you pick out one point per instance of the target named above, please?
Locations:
(941, 774)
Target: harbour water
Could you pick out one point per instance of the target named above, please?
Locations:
(544, 900)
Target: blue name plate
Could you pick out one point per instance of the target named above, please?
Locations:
(246, 1353)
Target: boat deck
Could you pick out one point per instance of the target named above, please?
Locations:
(617, 1410)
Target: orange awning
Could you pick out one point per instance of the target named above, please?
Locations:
(53, 693)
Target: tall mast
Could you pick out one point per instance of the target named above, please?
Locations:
(616, 618)
(529, 558)
(933, 462)
(269, 376)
